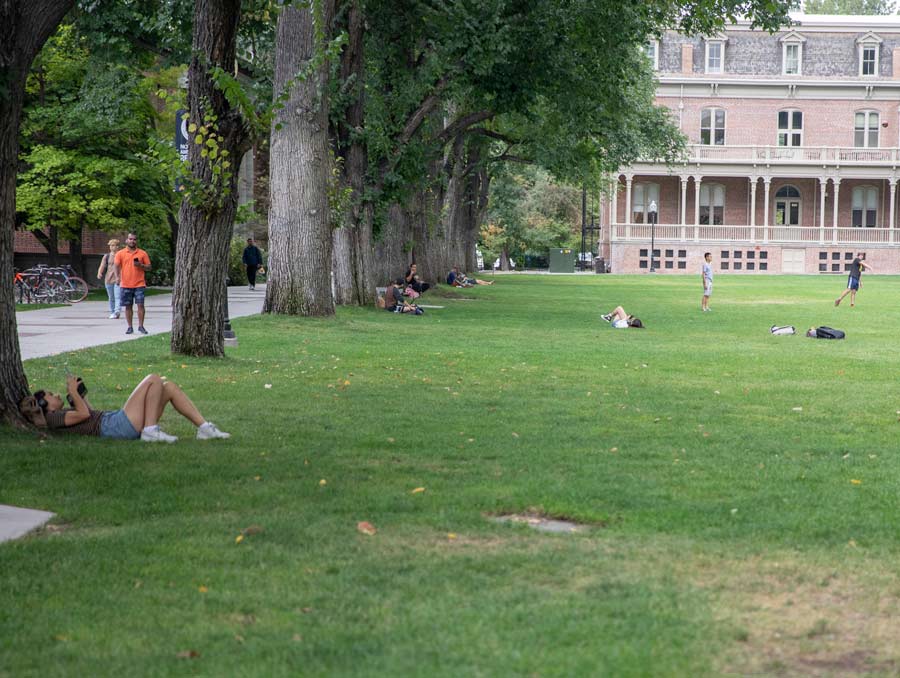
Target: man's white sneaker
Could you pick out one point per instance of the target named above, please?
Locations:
(113, 316)
(606, 316)
(209, 430)
(154, 434)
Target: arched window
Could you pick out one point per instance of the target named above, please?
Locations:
(865, 129)
(712, 204)
(790, 128)
(787, 206)
(641, 197)
(865, 207)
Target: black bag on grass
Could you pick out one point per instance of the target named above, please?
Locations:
(828, 333)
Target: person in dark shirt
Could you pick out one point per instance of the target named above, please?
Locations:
(853, 280)
(138, 418)
(252, 259)
(412, 280)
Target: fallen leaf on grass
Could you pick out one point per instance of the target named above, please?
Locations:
(515, 435)
(323, 482)
(854, 481)
(61, 637)
(796, 409)
(297, 638)
(188, 654)
(451, 536)
(202, 589)
(267, 386)
(852, 543)
(613, 449)
(417, 490)
(366, 528)
(239, 638)
(239, 539)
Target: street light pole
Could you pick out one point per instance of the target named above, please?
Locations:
(651, 215)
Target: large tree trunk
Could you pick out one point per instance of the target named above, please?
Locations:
(261, 192)
(353, 254)
(205, 226)
(300, 239)
(391, 257)
(25, 26)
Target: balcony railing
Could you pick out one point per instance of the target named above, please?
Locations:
(794, 155)
(677, 233)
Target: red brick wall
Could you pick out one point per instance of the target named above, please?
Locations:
(92, 242)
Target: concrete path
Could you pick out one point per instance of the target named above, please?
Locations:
(51, 331)
(16, 522)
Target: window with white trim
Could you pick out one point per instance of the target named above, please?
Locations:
(865, 129)
(651, 49)
(792, 58)
(712, 204)
(712, 126)
(641, 196)
(715, 56)
(869, 54)
(790, 128)
(865, 207)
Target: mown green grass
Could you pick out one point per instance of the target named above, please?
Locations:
(714, 463)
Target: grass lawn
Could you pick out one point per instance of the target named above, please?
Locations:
(742, 493)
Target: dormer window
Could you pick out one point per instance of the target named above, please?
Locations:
(869, 48)
(715, 54)
(792, 53)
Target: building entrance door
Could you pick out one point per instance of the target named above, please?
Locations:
(787, 212)
(793, 261)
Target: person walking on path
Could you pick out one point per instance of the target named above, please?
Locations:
(138, 417)
(707, 278)
(131, 264)
(110, 276)
(253, 261)
(857, 266)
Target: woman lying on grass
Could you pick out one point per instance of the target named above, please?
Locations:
(620, 319)
(138, 418)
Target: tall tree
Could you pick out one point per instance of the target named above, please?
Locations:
(865, 7)
(300, 239)
(220, 137)
(25, 25)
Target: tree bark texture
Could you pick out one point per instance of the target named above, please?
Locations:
(300, 234)
(392, 257)
(204, 232)
(353, 251)
(25, 26)
(261, 192)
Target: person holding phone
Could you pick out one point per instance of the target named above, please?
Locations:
(131, 264)
(137, 418)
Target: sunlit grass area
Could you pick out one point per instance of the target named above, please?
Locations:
(738, 492)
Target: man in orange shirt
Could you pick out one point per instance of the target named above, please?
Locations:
(132, 263)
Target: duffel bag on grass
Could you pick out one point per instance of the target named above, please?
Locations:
(825, 333)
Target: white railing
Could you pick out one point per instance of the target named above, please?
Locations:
(773, 155)
(676, 233)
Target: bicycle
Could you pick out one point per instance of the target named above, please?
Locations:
(57, 284)
(74, 288)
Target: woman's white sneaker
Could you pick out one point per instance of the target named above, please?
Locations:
(154, 434)
(209, 430)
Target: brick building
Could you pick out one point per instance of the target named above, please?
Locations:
(793, 155)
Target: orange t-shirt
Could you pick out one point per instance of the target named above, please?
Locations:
(131, 275)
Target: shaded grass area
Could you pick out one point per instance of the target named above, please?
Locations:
(727, 474)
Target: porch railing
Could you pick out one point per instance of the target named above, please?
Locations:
(814, 155)
(758, 234)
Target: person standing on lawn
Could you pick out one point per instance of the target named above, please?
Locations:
(707, 278)
(857, 266)
(131, 265)
(110, 276)
(253, 261)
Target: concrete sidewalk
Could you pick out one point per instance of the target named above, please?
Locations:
(51, 331)
(16, 522)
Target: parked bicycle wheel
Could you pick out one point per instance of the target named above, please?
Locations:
(76, 290)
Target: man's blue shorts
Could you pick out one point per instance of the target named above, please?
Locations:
(117, 425)
(852, 283)
(132, 295)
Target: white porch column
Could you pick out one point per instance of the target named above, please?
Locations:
(684, 183)
(767, 184)
(697, 181)
(834, 219)
(614, 205)
(893, 185)
(753, 181)
(628, 179)
(823, 184)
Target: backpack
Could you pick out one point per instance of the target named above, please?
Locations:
(782, 329)
(826, 333)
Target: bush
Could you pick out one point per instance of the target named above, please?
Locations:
(162, 261)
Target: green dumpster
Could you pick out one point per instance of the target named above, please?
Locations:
(562, 260)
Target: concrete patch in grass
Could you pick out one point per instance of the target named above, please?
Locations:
(540, 523)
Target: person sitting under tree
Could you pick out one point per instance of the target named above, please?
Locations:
(457, 279)
(138, 417)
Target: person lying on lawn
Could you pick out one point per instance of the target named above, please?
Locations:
(457, 279)
(138, 418)
(620, 319)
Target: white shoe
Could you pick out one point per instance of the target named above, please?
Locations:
(113, 316)
(154, 434)
(209, 430)
(606, 316)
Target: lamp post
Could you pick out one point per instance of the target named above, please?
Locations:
(651, 215)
